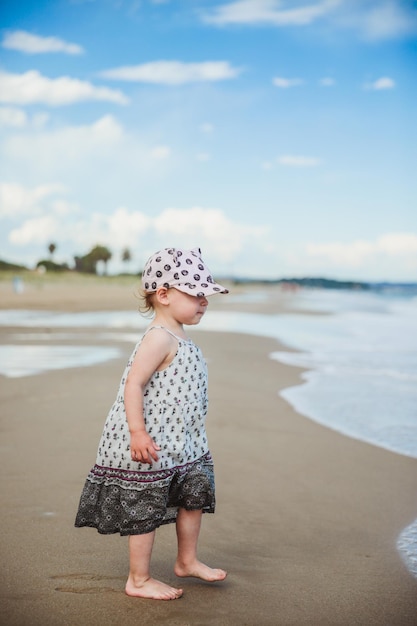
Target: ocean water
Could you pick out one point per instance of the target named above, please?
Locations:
(359, 353)
(23, 360)
(361, 377)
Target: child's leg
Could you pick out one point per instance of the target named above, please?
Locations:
(139, 582)
(187, 564)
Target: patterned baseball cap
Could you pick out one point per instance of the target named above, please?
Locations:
(183, 269)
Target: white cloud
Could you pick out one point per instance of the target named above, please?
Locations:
(34, 44)
(36, 230)
(351, 254)
(31, 87)
(43, 214)
(16, 200)
(398, 244)
(381, 83)
(86, 155)
(390, 19)
(57, 148)
(62, 208)
(327, 82)
(380, 20)
(126, 227)
(268, 12)
(117, 230)
(288, 160)
(174, 72)
(357, 254)
(207, 128)
(285, 83)
(208, 228)
(298, 161)
(106, 128)
(14, 117)
(11, 116)
(161, 152)
(373, 19)
(77, 232)
(66, 225)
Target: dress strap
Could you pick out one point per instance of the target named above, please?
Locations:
(163, 328)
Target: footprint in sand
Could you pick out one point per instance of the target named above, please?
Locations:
(83, 589)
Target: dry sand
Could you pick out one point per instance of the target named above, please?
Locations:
(306, 521)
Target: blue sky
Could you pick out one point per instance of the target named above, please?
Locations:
(279, 136)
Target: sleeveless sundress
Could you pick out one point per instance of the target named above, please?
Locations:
(121, 495)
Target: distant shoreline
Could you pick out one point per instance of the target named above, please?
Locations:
(315, 282)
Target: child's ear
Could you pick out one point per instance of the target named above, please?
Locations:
(162, 295)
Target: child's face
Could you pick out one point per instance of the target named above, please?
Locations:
(186, 309)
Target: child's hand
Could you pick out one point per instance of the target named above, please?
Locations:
(143, 448)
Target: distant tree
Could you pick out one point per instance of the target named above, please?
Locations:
(101, 253)
(51, 266)
(52, 248)
(88, 262)
(85, 264)
(126, 255)
(4, 265)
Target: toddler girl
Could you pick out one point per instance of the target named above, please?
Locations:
(153, 463)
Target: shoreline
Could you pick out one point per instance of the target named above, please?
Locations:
(306, 519)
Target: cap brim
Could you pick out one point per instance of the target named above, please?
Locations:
(211, 290)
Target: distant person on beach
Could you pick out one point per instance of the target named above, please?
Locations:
(153, 464)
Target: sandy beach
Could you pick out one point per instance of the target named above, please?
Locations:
(306, 522)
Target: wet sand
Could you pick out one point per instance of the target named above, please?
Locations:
(306, 521)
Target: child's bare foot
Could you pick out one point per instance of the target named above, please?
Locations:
(152, 589)
(199, 570)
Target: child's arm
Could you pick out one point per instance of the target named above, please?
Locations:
(154, 353)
